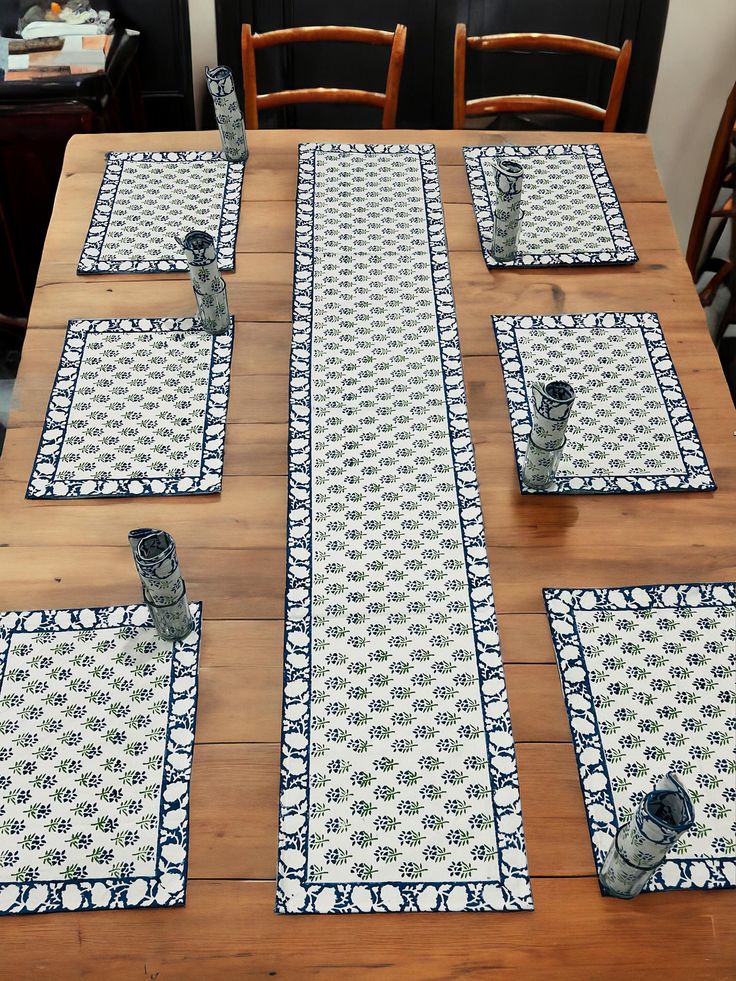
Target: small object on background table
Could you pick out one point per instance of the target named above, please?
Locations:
(227, 112)
(31, 46)
(200, 252)
(551, 407)
(508, 178)
(640, 847)
(164, 590)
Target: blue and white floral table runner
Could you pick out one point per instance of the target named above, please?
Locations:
(648, 676)
(399, 786)
(138, 407)
(630, 430)
(571, 215)
(147, 199)
(97, 719)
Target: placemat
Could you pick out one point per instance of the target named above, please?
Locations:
(399, 786)
(648, 679)
(97, 721)
(571, 215)
(138, 407)
(630, 430)
(146, 199)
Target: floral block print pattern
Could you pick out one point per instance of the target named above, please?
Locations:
(571, 215)
(399, 785)
(630, 429)
(96, 737)
(138, 407)
(147, 199)
(648, 678)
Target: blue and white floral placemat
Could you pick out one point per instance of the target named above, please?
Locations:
(147, 199)
(648, 677)
(97, 718)
(571, 215)
(630, 430)
(399, 787)
(138, 407)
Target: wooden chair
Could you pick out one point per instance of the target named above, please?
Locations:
(538, 103)
(720, 174)
(250, 43)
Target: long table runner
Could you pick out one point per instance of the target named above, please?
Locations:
(138, 407)
(148, 199)
(631, 430)
(571, 215)
(648, 678)
(399, 785)
(97, 719)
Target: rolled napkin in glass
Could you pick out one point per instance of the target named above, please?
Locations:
(508, 178)
(164, 590)
(210, 291)
(663, 816)
(551, 407)
(221, 86)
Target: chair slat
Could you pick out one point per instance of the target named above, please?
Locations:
(553, 43)
(299, 35)
(272, 100)
(532, 103)
(543, 42)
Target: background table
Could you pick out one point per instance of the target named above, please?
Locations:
(232, 551)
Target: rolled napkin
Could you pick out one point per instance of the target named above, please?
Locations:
(221, 86)
(663, 816)
(209, 287)
(508, 178)
(164, 590)
(551, 407)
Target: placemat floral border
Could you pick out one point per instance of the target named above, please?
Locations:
(168, 886)
(90, 263)
(62, 398)
(623, 251)
(697, 476)
(561, 605)
(294, 894)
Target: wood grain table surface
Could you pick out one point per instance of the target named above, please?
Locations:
(232, 552)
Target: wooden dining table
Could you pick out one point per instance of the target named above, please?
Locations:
(58, 554)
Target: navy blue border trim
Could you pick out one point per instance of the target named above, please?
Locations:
(621, 252)
(90, 262)
(295, 894)
(43, 483)
(695, 475)
(720, 872)
(167, 887)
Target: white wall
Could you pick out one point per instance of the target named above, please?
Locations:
(204, 47)
(696, 72)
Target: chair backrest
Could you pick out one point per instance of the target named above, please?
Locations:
(538, 103)
(712, 184)
(250, 43)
